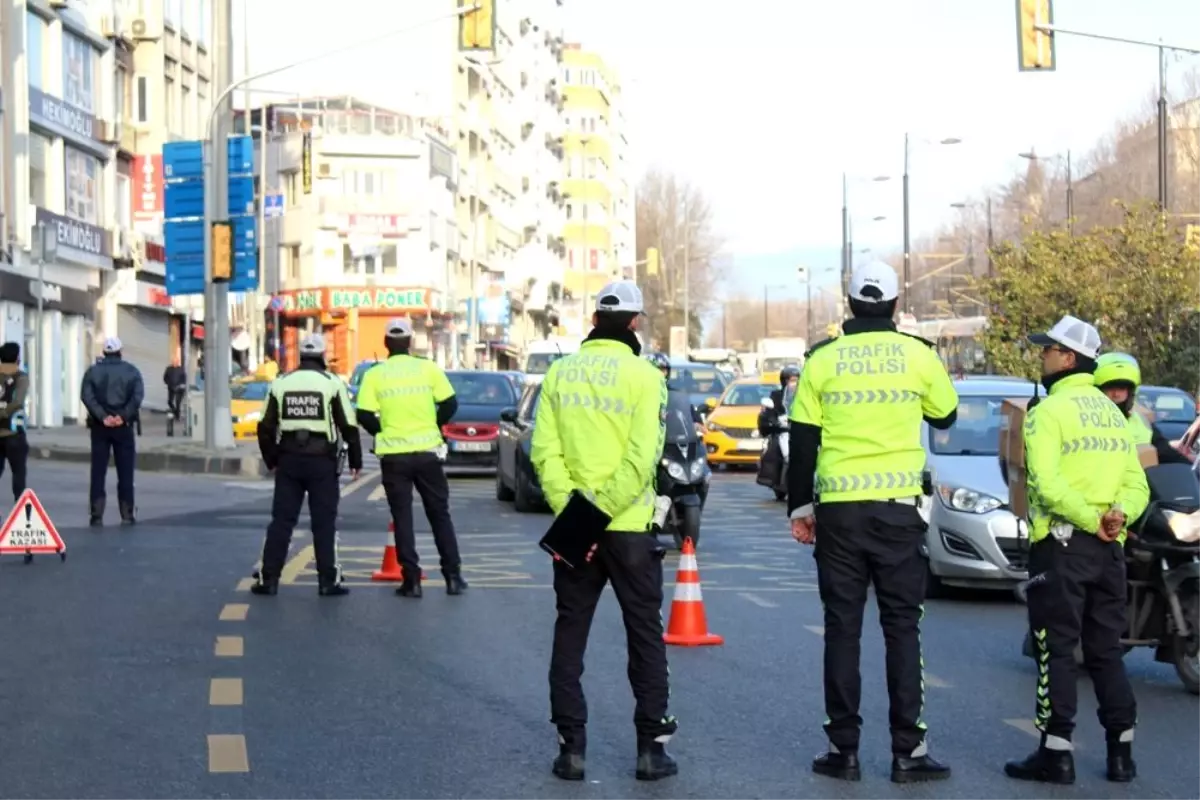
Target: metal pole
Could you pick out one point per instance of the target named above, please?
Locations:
(990, 239)
(766, 315)
(808, 309)
(1162, 130)
(687, 273)
(189, 374)
(38, 372)
(907, 254)
(254, 319)
(1070, 198)
(846, 258)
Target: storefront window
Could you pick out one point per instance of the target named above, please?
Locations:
(35, 43)
(369, 259)
(83, 186)
(39, 149)
(79, 72)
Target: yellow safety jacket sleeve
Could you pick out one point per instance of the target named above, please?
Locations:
(442, 388)
(1134, 495)
(638, 465)
(806, 405)
(367, 399)
(941, 399)
(546, 449)
(1043, 451)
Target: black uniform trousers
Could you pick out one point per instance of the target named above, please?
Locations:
(298, 475)
(859, 544)
(14, 449)
(1077, 595)
(121, 443)
(633, 562)
(400, 474)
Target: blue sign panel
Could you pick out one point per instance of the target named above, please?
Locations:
(183, 161)
(273, 205)
(183, 199)
(241, 195)
(241, 155)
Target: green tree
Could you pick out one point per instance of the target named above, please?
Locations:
(1136, 281)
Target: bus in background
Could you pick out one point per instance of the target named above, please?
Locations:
(722, 358)
(540, 354)
(958, 343)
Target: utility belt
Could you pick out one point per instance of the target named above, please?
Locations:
(308, 443)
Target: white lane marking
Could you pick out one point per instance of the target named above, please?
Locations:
(378, 493)
(758, 601)
(819, 630)
(355, 485)
(935, 681)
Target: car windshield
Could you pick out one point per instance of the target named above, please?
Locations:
(253, 390)
(697, 380)
(776, 363)
(976, 432)
(539, 363)
(1168, 405)
(483, 389)
(747, 394)
(357, 376)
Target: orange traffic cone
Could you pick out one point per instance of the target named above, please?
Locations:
(689, 626)
(391, 570)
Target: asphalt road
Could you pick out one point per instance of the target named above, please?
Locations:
(141, 667)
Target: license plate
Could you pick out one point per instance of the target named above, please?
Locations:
(471, 447)
(753, 445)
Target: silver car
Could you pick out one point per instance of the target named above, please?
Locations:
(972, 539)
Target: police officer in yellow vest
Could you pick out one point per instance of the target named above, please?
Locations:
(1084, 484)
(856, 423)
(403, 403)
(600, 430)
(1118, 375)
(307, 415)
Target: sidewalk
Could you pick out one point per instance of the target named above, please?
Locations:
(156, 452)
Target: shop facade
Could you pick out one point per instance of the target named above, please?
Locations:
(145, 322)
(354, 320)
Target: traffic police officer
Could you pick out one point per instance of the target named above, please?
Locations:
(856, 423)
(403, 403)
(298, 435)
(1118, 375)
(600, 430)
(1084, 483)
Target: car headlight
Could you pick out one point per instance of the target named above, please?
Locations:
(969, 500)
(253, 416)
(697, 468)
(675, 470)
(712, 426)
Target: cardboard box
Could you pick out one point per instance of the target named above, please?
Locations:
(1012, 452)
(1147, 455)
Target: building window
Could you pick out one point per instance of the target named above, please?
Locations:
(124, 201)
(123, 94)
(79, 73)
(173, 12)
(83, 186)
(172, 118)
(143, 100)
(205, 9)
(35, 44)
(293, 263)
(39, 152)
(189, 113)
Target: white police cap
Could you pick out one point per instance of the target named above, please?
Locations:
(620, 296)
(1073, 334)
(399, 328)
(312, 345)
(874, 282)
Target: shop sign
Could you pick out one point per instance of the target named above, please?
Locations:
(379, 299)
(158, 297)
(307, 300)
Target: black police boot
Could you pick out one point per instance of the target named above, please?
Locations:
(454, 583)
(569, 766)
(918, 768)
(654, 762)
(1044, 766)
(332, 590)
(1121, 766)
(411, 587)
(128, 516)
(837, 764)
(96, 514)
(268, 587)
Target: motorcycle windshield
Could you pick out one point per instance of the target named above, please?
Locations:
(680, 427)
(789, 396)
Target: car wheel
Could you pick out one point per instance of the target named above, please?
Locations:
(522, 501)
(502, 491)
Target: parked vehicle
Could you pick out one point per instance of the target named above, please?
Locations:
(472, 435)
(516, 479)
(703, 383)
(248, 401)
(1173, 410)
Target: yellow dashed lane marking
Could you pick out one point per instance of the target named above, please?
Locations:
(234, 612)
(244, 584)
(230, 647)
(227, 753)
(225, 692)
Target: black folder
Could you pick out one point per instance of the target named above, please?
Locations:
(575, 531)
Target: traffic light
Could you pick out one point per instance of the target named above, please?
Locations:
(222, 252)
(651, 261)
(1035, 48)
(477, 27)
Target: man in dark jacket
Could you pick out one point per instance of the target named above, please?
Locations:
(175, 377)
(112, 392)
(14, 388)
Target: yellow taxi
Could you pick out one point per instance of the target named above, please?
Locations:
(731, 430)
(248, 402)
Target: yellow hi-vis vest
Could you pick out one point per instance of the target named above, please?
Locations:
(304, 399)
(404, 391)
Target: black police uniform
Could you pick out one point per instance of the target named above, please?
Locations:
(305, 463)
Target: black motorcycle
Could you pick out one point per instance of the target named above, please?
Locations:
(773, 464)
(683, 477)
(1163, 576)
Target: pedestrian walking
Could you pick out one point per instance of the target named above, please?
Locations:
(598, 437)
(856, 426)
(404, 402)
(112, 391)
(175, 379)
(14, 447)
(300, 436)
(1080, 499)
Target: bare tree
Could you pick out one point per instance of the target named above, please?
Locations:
(676, 218)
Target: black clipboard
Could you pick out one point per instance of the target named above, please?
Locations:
(575, 531)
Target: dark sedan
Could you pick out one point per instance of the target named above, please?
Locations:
(1173, 410)
(516, 479)
(471, 436)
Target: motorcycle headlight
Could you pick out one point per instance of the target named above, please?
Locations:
(969, 500)
(676, 471)
(697, 468)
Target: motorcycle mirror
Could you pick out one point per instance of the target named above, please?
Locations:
(767, 404)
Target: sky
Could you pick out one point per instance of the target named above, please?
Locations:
(764, 105)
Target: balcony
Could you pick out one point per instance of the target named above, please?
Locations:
(364, 204)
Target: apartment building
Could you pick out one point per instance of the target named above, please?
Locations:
(364, 231)
(597, 185)
(509, 129)
(79, 95)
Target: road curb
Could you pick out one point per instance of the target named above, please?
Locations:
(184, 463)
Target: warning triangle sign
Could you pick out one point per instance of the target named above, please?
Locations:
(28, 528)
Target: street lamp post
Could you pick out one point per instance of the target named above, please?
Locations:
(847, 233)
(907, 228)
(1033, 156)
